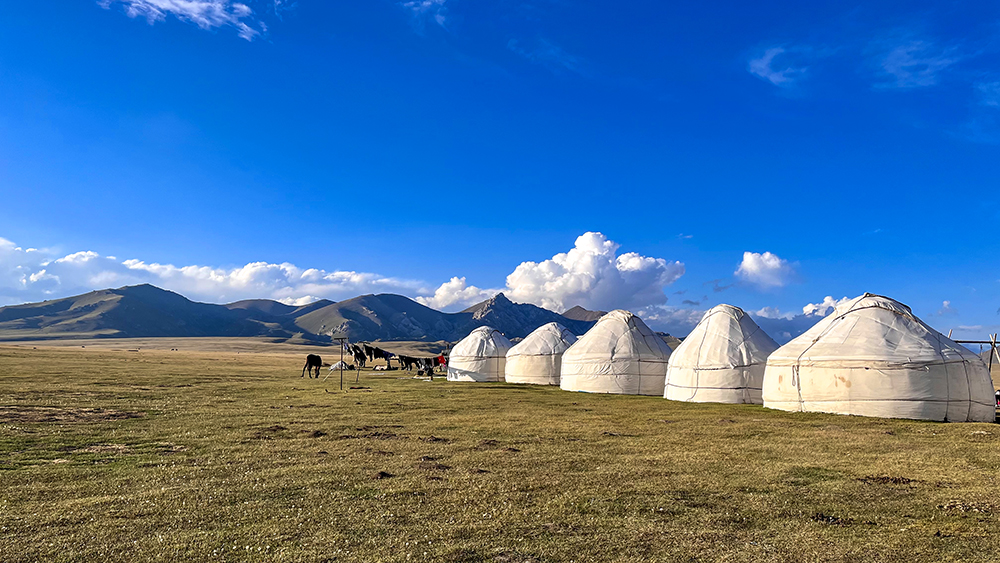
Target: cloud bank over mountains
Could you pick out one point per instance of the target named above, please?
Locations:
(592, 274)
(30, 274)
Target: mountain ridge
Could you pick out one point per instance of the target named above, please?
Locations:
(149, 311)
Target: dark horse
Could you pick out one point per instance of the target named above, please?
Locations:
(312, 361)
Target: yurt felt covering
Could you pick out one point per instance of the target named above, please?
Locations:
(538, 358)
(480, 356)
(721, 361)
(873, 357)
(620, 354)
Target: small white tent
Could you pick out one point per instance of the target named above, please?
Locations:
(537, 359)
(620, 354)
(872, 357)
(721, 361)
(481, 356)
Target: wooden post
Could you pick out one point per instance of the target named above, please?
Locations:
(993, 351)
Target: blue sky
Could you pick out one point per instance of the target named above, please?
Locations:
(324, 149)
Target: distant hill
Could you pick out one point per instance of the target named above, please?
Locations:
(578, 313)
(134, 311)
(379, 317)
(517, 319)
(271, 308)
(265, 306)
(671, 341)
(148, 311)
(394, 317)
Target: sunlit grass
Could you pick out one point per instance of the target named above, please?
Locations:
(125, 456)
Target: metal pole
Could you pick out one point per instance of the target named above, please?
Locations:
(341, 340)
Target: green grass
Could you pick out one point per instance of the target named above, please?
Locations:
(164, 456)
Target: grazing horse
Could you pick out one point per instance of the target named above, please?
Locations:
(360, 359)
(312, 361)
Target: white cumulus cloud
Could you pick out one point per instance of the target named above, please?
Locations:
(765, 270)
(592, 274)
(824, 307)
(456, 291)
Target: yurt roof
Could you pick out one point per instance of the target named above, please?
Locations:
(620, 334)
(726, 337)
(548, 339)
(483, 342)
(871, 328)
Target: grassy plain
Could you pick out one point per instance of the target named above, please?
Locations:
(156, 455)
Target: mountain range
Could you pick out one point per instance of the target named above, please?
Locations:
(148, 311)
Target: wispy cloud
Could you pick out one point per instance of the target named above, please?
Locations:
(946, 309)
(717, 285)
(546, 53)
(206, 14)
(424, 11)
(989, 94)
(777, 66)
(674, 320)
(983, 124)
(914, 63)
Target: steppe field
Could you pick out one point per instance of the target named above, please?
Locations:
(220, 451)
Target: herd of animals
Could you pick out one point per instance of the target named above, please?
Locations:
(363, 353)
(871, 357)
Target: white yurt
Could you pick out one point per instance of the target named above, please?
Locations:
(538, 358)
(481, 356)
(721, 361)
(872, 357)
(620, 354)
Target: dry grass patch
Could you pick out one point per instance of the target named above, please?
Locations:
(36, 414)
(165, 456)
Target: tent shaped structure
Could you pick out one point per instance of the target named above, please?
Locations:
(721, 361)
(481, 356)
(620, 354)
(872, 357)
(538, 358)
